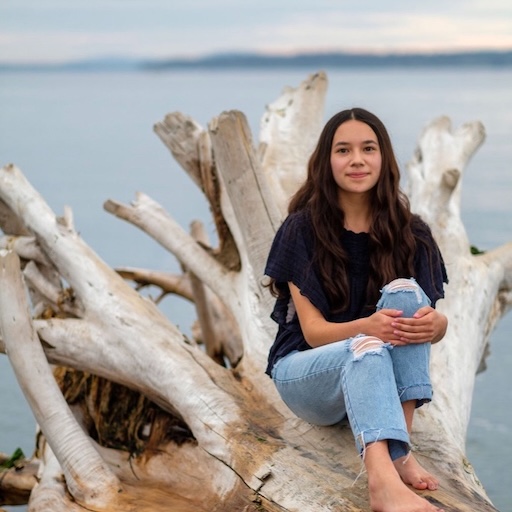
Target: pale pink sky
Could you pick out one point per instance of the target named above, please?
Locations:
(58, 30)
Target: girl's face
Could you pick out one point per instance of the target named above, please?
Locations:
(356, 159)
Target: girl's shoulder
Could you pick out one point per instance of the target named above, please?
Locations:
(299, 218)
(420, 228)
(295, 222)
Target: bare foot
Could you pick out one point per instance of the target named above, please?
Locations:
(413, 474)
(389, 494)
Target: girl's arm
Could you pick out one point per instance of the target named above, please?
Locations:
(318, 331)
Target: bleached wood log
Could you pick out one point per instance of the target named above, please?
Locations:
(225, 325)
(479, 289)
(181, 135)
(173, 382)
(17, 482)
(25, 247)
(255, 212)
(51, 291)
(288, 132)
(51, 493)
(251, 450)
(175, 284)
(10, 223)
(88, 478)
(191, 146)
(219, 343)
(148, 215)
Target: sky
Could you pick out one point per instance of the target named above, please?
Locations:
(63, 30)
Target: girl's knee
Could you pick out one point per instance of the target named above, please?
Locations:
(404, 294)
(402, 285)
(362, 345)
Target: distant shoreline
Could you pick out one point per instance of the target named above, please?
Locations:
(245, 61)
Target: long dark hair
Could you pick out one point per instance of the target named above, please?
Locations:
(392, 243)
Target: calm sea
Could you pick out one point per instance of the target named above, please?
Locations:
(84, 138)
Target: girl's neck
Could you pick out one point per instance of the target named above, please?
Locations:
(357, 225)
(357, 216)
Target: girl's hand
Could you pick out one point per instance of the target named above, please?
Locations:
(382, 325)
(427, 325)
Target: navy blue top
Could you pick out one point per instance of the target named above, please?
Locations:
(290, 259)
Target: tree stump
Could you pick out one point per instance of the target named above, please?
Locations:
(138, 416)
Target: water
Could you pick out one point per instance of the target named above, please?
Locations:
(84, 138)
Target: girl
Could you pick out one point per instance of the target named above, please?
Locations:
(356, 276)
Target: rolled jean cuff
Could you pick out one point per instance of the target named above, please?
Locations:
(422, 393)
(388, 434)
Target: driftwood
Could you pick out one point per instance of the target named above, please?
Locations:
(17, 479)
(155, 420)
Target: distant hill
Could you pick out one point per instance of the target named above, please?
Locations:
(337, 60)
(302, 60)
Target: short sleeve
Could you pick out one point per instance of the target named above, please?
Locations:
(429, 264)
(290, 260)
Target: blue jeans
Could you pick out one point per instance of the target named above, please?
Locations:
(362, 378)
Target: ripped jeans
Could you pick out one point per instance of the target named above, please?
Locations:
(362, 378)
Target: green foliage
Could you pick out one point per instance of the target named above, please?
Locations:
(17, 456)
(475, 251)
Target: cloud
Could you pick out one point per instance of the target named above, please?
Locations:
(384, 31)
(57, 30)
(60, 46)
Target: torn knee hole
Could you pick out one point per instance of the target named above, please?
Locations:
(402, 284)
(364, 344)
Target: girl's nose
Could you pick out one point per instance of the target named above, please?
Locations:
(357, 158)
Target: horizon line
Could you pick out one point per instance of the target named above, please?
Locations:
(286, 55)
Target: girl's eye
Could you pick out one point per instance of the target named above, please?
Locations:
(369, 149)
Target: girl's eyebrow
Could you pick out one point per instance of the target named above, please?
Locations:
(343, 143)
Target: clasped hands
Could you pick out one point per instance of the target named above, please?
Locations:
(427, 325)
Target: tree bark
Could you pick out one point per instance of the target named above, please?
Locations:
(211, 432)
